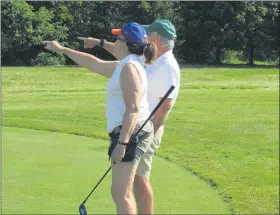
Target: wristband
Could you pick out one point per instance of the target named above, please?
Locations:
(122, 143)
(102, 42)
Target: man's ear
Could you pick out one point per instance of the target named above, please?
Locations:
(158, 39)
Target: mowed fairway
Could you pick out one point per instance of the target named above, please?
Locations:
(51, 173)
(224, 129)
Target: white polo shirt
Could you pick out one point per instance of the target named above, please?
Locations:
(161, 75)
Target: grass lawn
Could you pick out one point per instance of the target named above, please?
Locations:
(224, 127)
(52, 173)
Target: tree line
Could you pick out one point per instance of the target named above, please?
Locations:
(207, 32)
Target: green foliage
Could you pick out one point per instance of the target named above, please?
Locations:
(259, 27)
(48, 59)
(16, 21)
(205, 30)
(230, 56)
(210, 29)
(23, 29)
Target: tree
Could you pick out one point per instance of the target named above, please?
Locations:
(17, 29)
(23, 29)
(205, 30)
(259, 27)
(222, 25)
(268, 49)
(209, 29)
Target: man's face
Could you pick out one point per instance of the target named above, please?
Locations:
(152, 38)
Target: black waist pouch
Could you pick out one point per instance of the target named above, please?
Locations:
(130, 148)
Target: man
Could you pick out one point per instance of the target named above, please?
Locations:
(162, 74)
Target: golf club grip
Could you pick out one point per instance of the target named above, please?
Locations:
(155, 110)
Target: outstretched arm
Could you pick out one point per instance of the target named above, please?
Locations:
(94, 64)
(90, 42)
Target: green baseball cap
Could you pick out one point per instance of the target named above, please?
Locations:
(163, 27)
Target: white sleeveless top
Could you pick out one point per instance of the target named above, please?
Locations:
(115, 106)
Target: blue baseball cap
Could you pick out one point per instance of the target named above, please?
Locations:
(132, 32)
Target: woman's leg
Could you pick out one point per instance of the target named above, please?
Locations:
(123, 175)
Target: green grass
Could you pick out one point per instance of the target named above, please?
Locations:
(51, 173)
(224, 127)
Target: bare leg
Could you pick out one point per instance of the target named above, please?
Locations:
(123, 175)
(144, 195)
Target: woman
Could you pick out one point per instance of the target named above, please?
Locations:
(126, 105)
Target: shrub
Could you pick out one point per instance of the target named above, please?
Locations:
(48, 59)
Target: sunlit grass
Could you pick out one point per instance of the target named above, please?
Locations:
(223, 128)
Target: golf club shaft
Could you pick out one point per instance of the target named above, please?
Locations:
(150, 116)
(155, 110)
(97, 185)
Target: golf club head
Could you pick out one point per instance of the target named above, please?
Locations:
(82, 209)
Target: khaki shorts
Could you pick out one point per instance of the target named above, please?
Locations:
(145, 164)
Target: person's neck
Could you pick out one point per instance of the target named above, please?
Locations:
(161, 51)
(124, 54)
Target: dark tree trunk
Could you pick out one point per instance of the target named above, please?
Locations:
(218, 55)
(251, 55)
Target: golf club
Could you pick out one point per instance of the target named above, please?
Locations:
(82, 208)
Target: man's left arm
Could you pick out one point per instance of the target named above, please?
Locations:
(166, 80)
(160, 115)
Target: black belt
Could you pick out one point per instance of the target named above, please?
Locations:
(115, 131)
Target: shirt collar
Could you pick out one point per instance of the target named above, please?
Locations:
(166, 54)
